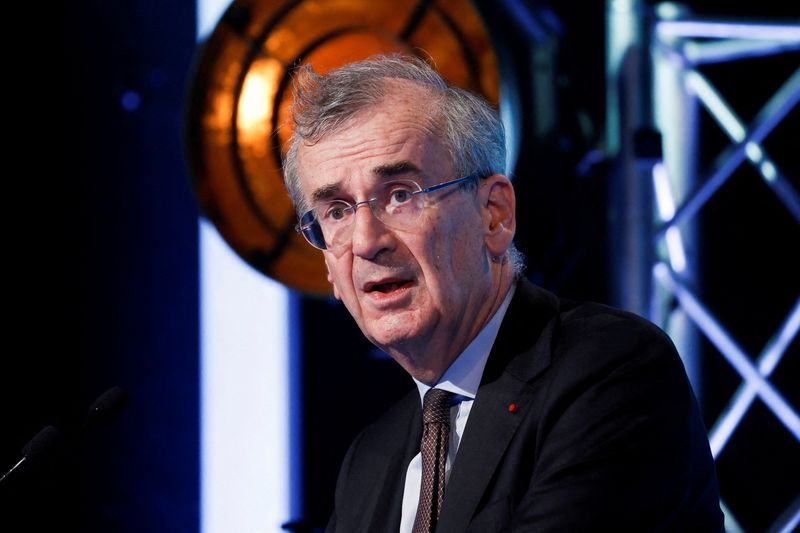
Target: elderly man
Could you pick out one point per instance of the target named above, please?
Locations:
(531, 413)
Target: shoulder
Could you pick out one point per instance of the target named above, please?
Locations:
(544, 335)
(613, 409)
(607, 358)
(588, 325)
(387, 437)
(584, 336)
(573, 346)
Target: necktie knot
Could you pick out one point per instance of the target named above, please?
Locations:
(436, 407)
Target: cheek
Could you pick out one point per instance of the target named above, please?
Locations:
(436, 248)
(464, 252)
(335, 270)
(452, 248)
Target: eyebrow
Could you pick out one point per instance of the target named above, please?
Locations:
(389, 170)
(395, 169)
(325, 192)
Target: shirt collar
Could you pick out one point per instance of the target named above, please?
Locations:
(464, 375)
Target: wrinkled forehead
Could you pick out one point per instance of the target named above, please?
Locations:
(389, 141)
(402, 100)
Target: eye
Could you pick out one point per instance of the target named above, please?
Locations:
(335, 211)
(399, 195)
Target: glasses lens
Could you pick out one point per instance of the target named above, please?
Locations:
(312, 230)
(398, 205)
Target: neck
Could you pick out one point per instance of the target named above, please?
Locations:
(429, 370)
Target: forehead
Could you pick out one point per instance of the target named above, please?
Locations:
(396, 134)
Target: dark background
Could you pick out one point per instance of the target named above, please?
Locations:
(101, 268)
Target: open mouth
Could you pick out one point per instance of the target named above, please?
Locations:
(387, 286)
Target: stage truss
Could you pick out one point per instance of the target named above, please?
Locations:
(680, 47)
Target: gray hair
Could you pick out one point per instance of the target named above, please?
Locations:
(471, 130)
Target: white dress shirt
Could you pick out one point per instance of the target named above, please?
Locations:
(462, 378)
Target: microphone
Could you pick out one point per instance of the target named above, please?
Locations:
(106, 406)
(47, 440)
(50, 440)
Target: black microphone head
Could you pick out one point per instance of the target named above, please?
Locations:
(108, 405)
(41, 449)
(47, 439)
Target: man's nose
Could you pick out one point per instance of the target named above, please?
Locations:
(370, 235)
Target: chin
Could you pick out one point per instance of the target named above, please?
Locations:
(389, 341)
(397, 329)
(392, 333)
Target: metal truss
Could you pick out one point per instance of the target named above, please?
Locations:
(679, 46)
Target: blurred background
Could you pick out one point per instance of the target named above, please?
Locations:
(653, 147)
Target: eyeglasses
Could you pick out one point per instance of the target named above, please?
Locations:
(397, 204)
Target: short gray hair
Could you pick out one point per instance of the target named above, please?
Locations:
(471, 130)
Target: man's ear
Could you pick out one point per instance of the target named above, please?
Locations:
(330, 280)
(499, 204)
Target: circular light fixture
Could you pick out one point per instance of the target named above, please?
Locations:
(238, 124)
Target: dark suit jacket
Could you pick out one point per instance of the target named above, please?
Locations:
(607, 435)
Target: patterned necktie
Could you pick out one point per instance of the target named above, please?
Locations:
(435, 437)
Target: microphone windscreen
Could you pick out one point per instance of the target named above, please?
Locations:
(47, 439)
(109, 404)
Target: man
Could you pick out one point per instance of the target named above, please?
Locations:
(532, 413)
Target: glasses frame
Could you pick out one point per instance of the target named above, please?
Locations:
(308, 224)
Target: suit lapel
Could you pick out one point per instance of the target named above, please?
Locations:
(514, 362)
(382, 501)
(412, 437)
